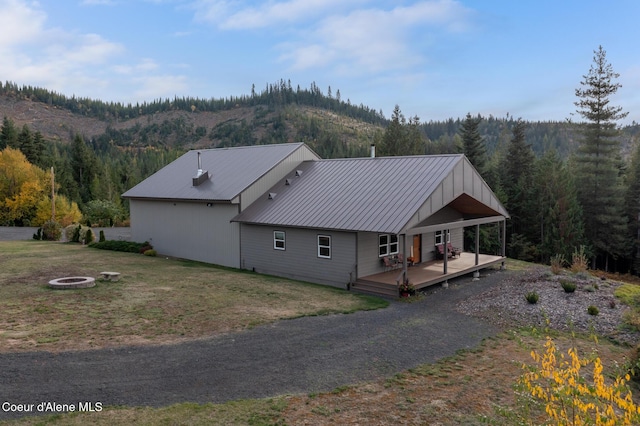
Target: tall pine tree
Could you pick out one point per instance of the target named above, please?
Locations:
(600, 191)
(633, 210)
(473, 144)
(517, 184)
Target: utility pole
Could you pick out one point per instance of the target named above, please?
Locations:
(53, 196)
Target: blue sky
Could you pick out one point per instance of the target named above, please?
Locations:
(434, 58)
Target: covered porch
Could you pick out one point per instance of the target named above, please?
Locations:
(428, 273)
(432, 272)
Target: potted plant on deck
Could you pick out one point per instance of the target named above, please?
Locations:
(406, 289)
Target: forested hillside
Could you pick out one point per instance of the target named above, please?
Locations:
(99, 150)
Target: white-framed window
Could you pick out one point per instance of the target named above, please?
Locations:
(439, 237)
(387, 244)
(324, 246)
(279, 240)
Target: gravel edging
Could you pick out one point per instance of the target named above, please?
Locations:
(505, 305)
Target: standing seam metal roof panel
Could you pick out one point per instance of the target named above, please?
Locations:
(231, 171)
(365, 194)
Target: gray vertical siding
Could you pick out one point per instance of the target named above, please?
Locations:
(300, 258)
(368, 259)
(277, 173)
(188, 230)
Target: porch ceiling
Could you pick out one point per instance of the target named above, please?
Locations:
(471, 207)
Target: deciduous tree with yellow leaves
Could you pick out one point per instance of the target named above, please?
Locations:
(25, 194)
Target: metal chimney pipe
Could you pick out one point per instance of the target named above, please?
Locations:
(199, 164)
(373, 151)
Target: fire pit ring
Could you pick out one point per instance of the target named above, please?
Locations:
(72, 282)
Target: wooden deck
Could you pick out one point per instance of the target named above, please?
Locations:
(429, 273)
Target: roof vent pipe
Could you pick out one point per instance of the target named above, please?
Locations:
(201, 175)
(373, 151)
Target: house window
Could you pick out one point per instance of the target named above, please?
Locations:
(387, 244)
(324, 246)
(278, 240)
(439, 237)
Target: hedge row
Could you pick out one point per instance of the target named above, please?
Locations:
(126, 246)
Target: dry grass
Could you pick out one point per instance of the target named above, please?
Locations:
(157, 300)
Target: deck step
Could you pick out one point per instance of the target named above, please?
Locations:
(375, 288)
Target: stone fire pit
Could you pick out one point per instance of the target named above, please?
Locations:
(72, 282)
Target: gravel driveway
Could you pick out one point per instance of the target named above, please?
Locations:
(304, 355)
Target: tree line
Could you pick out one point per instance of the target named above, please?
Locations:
(582, 200)
(277, 94)
(89, 174)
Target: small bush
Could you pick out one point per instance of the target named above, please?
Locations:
(75, 237)
(532, 297)
(579, 260)
(51, 231)
(38, 234)
(568, 286)
(557, 263)
(77, 233)
(102, 239)
(593, 310)
(88, 237)
(151, 252)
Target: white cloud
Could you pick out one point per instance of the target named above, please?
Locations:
(20, 23)
(352, 37)
(69, 62)
(375, 40)
(242, 15)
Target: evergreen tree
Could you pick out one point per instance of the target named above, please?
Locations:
(517, 184)
(8, 134)
(559, 215)
(392, 140)
(83, 165)
(402, 138)
(633, 210)
(27, 146)
(600, 192)
(473, 144)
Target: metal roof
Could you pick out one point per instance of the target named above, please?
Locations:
(364, 194)
(231, 171)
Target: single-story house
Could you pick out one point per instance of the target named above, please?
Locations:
(341, 222)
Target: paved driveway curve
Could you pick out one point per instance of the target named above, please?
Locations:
(303, 355)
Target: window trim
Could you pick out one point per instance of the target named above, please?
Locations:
(438, 236)
(282, 240)
(324, 246)
(392, 240)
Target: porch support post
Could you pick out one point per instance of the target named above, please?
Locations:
(445, 250)
(405, 275)
(504, 242)
(477, 244)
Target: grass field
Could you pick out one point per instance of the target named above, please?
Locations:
(156, 300)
